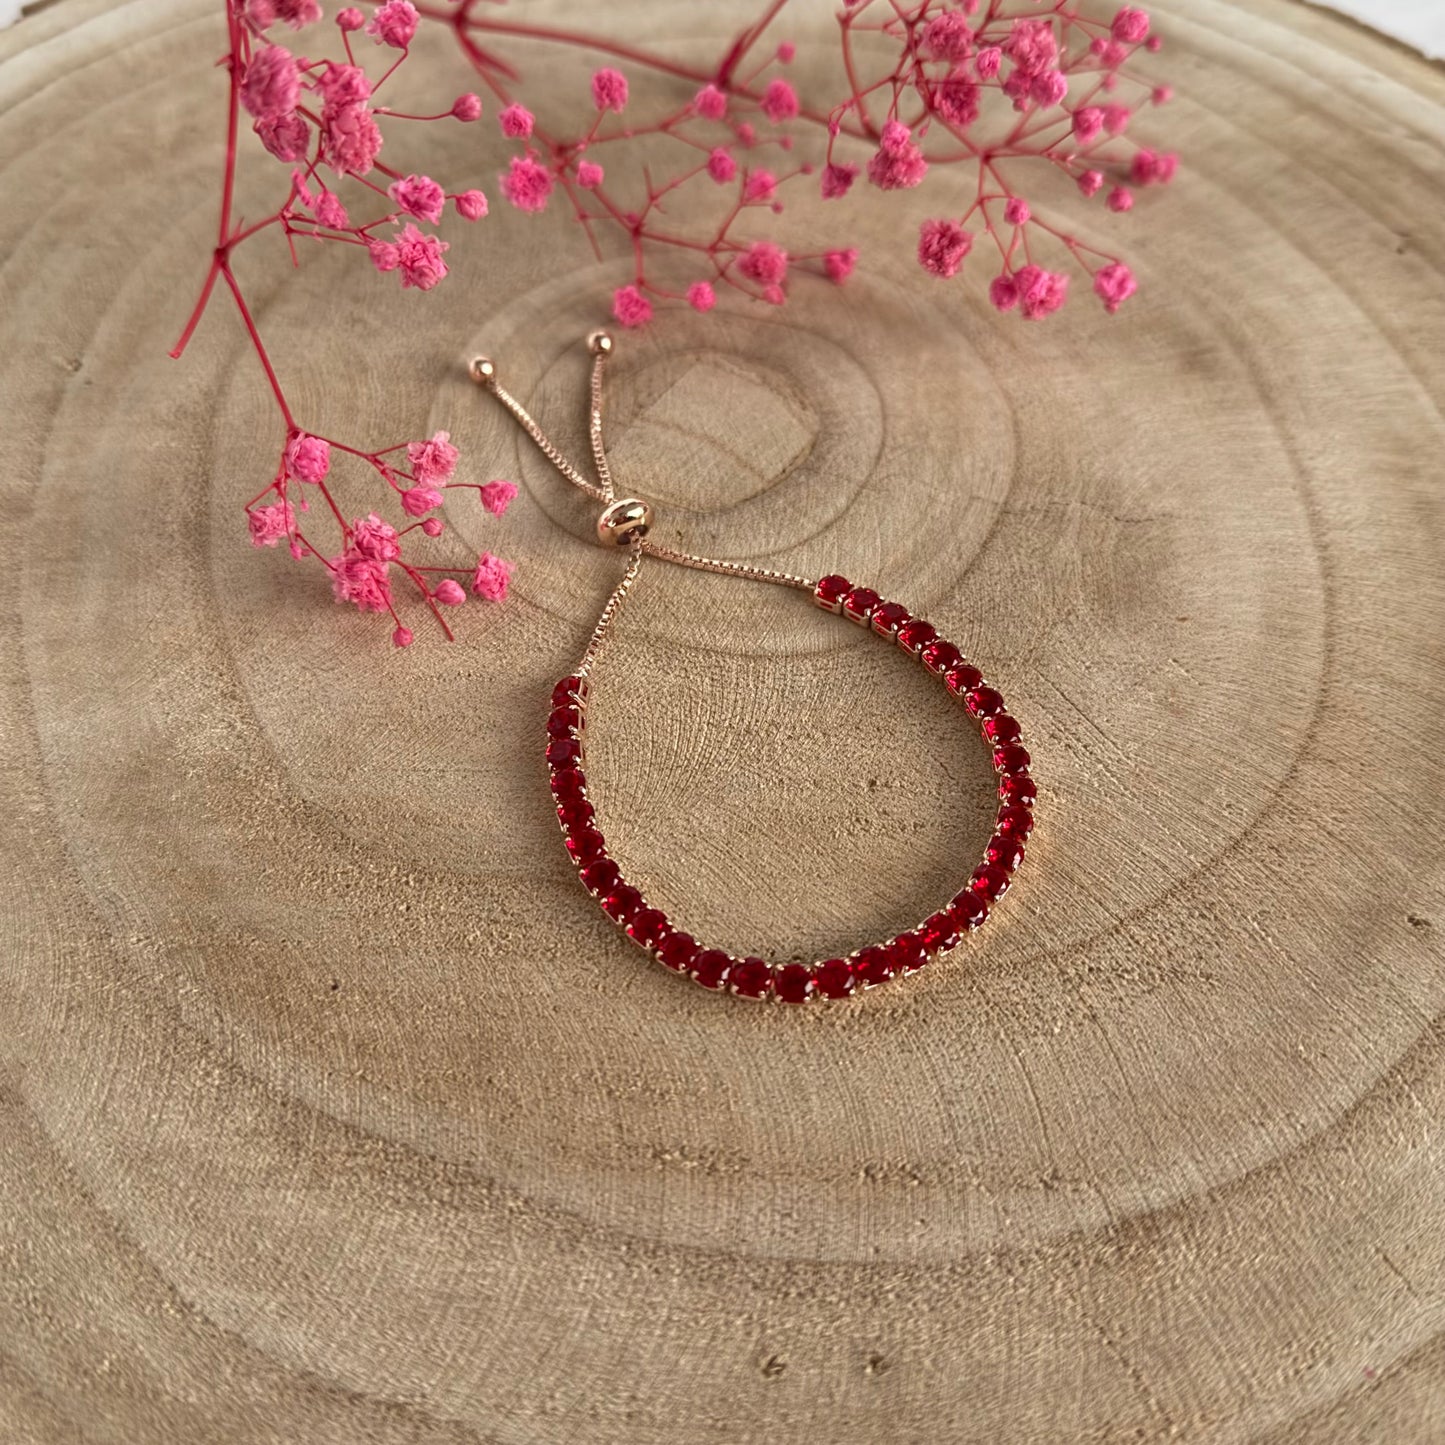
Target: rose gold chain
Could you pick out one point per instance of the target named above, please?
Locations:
(640, 545)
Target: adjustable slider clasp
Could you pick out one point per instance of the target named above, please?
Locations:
(624, 522)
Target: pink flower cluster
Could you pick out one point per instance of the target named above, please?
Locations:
(362, 572)
(1071, 91)
(965, 102)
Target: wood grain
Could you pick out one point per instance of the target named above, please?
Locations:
(332, 1112)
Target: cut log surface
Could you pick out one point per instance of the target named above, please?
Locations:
(333, 1110)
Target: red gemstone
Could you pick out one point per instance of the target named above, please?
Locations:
(752, 978)
(647, 926)
(990, 880)
(567, 689)
(1002, 729)
(888, 617)
(909, 954)
(1015, 821)
(564, 752)
(969, 910)
(568, 783)
(939, 933)
(1021, 790)
(677, 951)
(1007, 853)
(830, 592)
(602, 876)
(963, 679)
(574, 813)
(586, 844)
(834, 978)
(984, 701)
(940, 656)
(916, 635)
(1012, 758)
(858, 605)
(711, 968)
(564, 722)
(793, 983)
(622, 903)
(874, 965)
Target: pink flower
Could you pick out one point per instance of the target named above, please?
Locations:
(350, 19)
(490, 579)
(357, 578)
(467, 107)
(1161, 95)
(589, 175)
(394, 24)
(516, 121)
(308, 458)
(343, 84)
(942, 245)
(760, 185)
(1088, 122)
(432, 527)
(721, 166)
(838, 265)
(288, 139)
(948, 36)
(418, 501)
(471, 205)
(373, 538)
(384, 256)
(449, 593)
(1090, 182)
(956, 98)
(420, 258)
(786, 51)
(700, 296)
(1003, 292)
(269, 524)
(1116, 118)
(272, 85)
(1120, 199)
(1031, 46)
(497, 496)
(988, 61)
(780, 101)
(609, 90)
(432, 461)
(1130, 26)
(710, 103)
(898, 164)
(419, 196)
(631, 307)
(1113, 285)
(838, 180)
(527, 185)
(1050, 87)
(1040, 292)
(350, 139)
(330, 212)
(1111, 56)
(402, 637)
(764, 263)
(1152, 169)
(1016, 211)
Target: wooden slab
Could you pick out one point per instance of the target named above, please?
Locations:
(332, 1111)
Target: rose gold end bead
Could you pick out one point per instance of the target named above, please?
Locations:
(599, 343)
(481, 369)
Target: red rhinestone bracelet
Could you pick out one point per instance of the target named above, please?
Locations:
(626, 523)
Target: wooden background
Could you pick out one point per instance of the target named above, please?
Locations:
(332, 1112)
